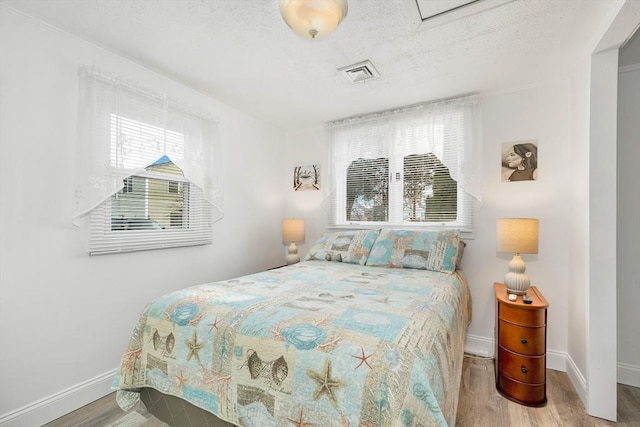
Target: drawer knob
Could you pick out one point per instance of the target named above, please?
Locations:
(524, 370)
(523, 341)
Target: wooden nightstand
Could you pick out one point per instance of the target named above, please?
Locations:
(521, 347)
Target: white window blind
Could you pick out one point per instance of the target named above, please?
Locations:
(408, 167)
(148, 170)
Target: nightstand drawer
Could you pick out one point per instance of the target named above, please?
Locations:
(529, 394)
(525, 369)
(520, 339)
(521, 316)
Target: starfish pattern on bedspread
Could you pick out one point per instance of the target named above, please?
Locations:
(326, 384)
(194, 347)
(363, 359)
(300, 421)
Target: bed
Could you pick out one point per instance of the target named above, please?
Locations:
(368, 330)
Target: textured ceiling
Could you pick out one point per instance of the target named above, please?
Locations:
(243, 54)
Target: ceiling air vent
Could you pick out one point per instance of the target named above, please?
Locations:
(360, 72)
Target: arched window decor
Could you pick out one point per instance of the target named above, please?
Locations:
(413, 166)
(142, 159)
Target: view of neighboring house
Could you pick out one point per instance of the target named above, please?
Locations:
(152, 199)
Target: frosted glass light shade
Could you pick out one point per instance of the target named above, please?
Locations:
(517, 235)
(313, 19)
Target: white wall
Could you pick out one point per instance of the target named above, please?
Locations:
(540, 113)
(307, 147)
(66, 317)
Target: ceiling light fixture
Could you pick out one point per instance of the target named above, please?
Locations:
(313, 18)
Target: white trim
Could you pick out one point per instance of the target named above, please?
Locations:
(61, 403)
(629, 374)
(628, 68)
(577, 379)
(557, 360)
(601, 306)
(417, 23)
(480, 346)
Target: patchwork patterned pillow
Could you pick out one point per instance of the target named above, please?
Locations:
(352, 247)
(435, 250)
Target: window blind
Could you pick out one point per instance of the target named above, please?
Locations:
(150, 217)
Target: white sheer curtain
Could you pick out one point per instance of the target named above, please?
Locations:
(123, 128)
(450, 129)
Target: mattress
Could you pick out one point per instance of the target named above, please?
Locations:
(318, 342)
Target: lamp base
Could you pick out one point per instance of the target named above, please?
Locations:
(516, 281)
(292, 256)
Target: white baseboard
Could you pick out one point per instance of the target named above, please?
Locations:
(577, 379)
(49, 408)
(557, 360)
(628, 374)
(479, 346)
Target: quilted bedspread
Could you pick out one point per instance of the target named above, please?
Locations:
(316, 343)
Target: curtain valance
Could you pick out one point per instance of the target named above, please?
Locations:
(123, 128)
(449, 128)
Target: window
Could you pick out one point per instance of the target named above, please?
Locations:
(148, 170)
(406, 168)
(173, 187)
(127, 185)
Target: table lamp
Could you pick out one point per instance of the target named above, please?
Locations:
(520, 236)
(292, 232)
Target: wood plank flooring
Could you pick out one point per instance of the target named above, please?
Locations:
(479, 405)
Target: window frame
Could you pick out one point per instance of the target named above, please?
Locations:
(464, 217)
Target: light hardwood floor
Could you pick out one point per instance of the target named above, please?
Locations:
(479, 405)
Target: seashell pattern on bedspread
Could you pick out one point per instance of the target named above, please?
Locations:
(315, 343)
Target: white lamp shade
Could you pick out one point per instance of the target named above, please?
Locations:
(517, 235)
(313, 19)
(293, 230)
